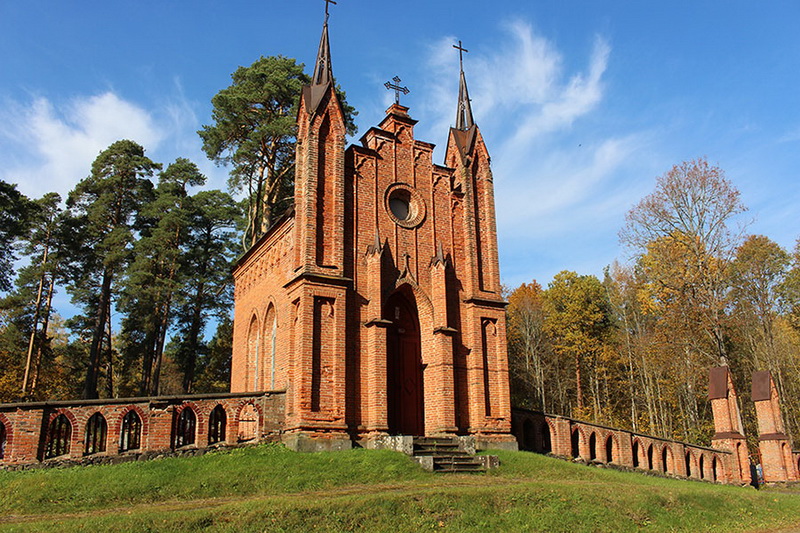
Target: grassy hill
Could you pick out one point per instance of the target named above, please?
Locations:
(268, 488)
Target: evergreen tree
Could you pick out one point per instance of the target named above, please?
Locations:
(254, 131)
(206, 265)
(153, 277)
(15, 212)
(105, 207)
(214, 368)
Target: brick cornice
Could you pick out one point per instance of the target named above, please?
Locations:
(728, 435)
(324, 279)
(773, 436)
(378, 322)
(486, 302)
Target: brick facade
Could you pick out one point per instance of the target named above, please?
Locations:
(376, 303)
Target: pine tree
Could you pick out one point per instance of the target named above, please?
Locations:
(106, 206)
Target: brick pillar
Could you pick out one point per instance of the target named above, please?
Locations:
(561, 437)
(440, 414)
(679, 458)
(374, 346)
(729, 432)
(27, 427)
(774, 445)
(625, 448)
(318, 373)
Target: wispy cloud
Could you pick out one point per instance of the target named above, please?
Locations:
(49, 146)
(55, 146)
(553, 179)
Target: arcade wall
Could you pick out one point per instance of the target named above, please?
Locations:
(90, 431)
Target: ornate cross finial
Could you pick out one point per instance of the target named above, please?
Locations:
(327, 3)
(397, 88)
(461, 51)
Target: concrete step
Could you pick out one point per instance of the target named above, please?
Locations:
(457, 464)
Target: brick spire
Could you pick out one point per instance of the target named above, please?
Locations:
(464, 120)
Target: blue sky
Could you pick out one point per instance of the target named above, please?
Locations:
(582, 103)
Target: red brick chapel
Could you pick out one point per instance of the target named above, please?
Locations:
(376, 302)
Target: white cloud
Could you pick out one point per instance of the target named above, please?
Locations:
(51, 148)
(561, 176)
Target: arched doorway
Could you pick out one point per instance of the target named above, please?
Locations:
(404, 379)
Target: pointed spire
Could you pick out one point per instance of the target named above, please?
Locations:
(464, 120)
(322, 69)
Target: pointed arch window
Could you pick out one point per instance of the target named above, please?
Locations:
(59, 435)
(94, 440)
(185, 428)
(130, 436)
(271, 322)
(216, 425)
(253, 348)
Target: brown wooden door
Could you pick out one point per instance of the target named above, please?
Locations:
(404, 368)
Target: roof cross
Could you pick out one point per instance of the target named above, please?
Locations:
(397, 88)
(461, 51)
(327, 3)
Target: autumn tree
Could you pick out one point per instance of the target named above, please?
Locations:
(687, 219)
(756, 274)
(789, 290)
(577, 322)
(528, 346)
(254, 132)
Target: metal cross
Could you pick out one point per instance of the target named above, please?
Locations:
(327, 3)
(397, 88)
(460, 49)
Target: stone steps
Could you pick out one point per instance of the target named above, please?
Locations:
(443, 454)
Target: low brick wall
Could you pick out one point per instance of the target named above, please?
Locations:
(87, 430)
(569, 438)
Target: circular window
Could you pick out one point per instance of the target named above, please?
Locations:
(405, 205)
(400, 204)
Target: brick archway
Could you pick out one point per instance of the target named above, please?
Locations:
(405, 386)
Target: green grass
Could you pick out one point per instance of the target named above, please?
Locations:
(268, 488)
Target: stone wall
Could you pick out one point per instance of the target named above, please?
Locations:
(84, 430)
(593, 443)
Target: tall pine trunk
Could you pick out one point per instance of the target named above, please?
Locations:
(37, 366)
(98, 335)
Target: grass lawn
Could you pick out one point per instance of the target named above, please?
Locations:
(269, 488)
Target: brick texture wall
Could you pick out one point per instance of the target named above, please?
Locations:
(29, 428)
